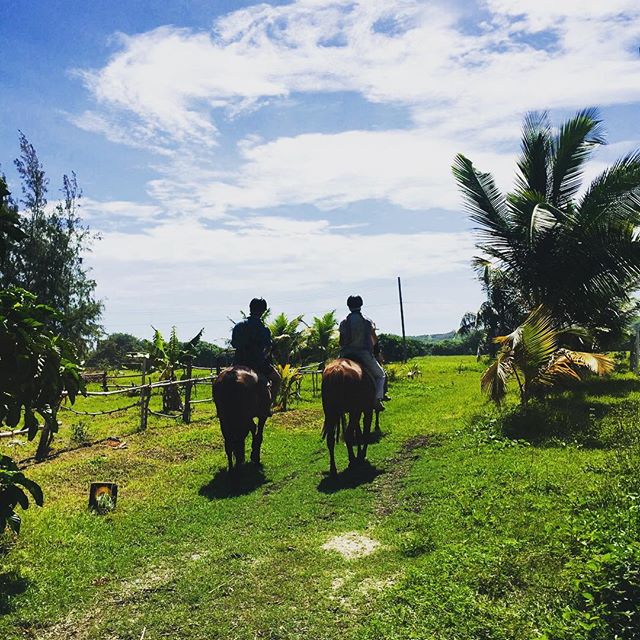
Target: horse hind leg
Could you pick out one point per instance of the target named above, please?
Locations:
(366, 434)
(330, 429)
(256, 440)
(228, 448)
(350, 435)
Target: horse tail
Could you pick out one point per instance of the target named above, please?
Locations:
(337, 388)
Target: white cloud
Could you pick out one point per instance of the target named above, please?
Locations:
(465, 91)
(464, 82)
(279, 249)
(411, 169)
(93, 209)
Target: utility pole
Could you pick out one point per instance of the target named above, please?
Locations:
(404, 337)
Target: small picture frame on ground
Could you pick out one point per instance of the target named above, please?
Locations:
(103, 496)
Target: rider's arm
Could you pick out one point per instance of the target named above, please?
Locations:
(235, 335)
(343, 333)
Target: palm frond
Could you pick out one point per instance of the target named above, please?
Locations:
(614, 195)
(494, 379)
(542, 219)
(484, 201)
(596, 363)
(533, 164)
(571, 149)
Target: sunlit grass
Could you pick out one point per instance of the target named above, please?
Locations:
(474, 527)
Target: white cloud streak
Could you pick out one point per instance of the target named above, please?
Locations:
(464, 75)
(466, 91)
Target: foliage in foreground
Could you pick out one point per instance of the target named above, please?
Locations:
(37, 365)
(12, 493)
(532, 354)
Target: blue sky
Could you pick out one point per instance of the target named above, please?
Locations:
(302, 150)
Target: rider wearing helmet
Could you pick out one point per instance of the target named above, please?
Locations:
(251, 339)
(357, 341)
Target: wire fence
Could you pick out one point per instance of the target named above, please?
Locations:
(144, 393)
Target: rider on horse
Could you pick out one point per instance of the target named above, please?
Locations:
(357, 342)
(251, 339)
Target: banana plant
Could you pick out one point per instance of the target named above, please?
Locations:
(532, 354)
(167, 357)
(289, 385)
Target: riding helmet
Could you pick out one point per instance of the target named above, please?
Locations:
(257, 306)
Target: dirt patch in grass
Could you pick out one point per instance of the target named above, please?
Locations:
(299, 420)
(351, 545)
(388, 485)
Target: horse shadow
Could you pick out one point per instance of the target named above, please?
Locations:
(350, 478)
(240, 483)
(375, 436)
(11, 584)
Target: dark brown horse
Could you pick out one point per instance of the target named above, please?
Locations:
(241, 396)
(346, 389)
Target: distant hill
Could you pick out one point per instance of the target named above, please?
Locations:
(435, 337)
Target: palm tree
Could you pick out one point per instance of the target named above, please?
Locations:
(322, 337)
(532, 354)
(502, 309)
(579, 255)
(287, 337)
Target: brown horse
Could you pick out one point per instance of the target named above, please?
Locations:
(240, 396)
(346, 389)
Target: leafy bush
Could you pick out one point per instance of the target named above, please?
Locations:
(80, 432)
(37, 365)
(12, 485)
(290, 376)
(607, 586)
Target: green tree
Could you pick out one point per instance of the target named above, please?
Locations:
(322, 338)
(578, 255)
(49, 260)
(11, 234)
(112, 351)
(37, 366)
(288, 338)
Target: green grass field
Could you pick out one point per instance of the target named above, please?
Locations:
(468, 523)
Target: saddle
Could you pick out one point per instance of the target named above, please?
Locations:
(364, 369)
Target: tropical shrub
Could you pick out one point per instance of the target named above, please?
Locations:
(288, 338)
(533, 356)
(321, 339)
(13, 484)
(37, 365)
(290, 378)
(167, 357)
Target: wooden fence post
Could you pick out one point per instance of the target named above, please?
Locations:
(634, 355)
(145, 397)
(186, 412)
(104, 381)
